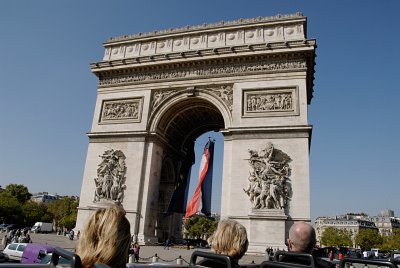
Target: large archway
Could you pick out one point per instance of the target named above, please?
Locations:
(181, 123)
(251, 79)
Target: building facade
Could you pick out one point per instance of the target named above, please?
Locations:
(44, 197)
(354, 222)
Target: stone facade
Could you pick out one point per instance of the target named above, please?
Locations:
(250, 79)
(353, 222)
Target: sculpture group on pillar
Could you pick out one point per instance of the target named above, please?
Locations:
(110, 181)
(268, 181)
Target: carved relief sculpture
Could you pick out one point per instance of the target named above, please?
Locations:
(242, 68)
(225, 92)
(269, 186)
(110, 181)
(269, 102)
(160, 96)
(120, 110)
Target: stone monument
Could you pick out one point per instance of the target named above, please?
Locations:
(250, 79)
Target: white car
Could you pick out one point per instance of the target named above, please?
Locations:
(14, 251)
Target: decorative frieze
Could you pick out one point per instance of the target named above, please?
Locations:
(218, 35)
(125, 110)
(269, 186)
(270, 102)
(110, 181)
(198, 72)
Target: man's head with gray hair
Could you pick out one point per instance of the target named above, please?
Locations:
(301, 237)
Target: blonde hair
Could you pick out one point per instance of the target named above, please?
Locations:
(230, 239)
(106, 238)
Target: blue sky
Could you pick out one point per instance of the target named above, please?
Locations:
(48, 91)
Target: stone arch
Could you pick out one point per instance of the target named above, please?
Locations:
(195, 98)
(251, 79)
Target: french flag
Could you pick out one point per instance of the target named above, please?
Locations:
(204, 187)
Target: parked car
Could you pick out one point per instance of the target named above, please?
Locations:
(34, 252)
(14, 251)
(10, 227)
(2, 226)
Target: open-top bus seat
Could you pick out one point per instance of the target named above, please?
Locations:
(211, 260)
(303, 259)
(380, 263)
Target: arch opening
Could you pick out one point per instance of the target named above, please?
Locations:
(181, 125)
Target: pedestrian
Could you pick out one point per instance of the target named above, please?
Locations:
(4, 242)
(78, 234)
(166, 245)
(136, 249)
(330, 255)
(71, 234)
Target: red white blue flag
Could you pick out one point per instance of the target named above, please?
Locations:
(204, 187)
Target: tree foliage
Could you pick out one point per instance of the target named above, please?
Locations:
(334, 237)
(200, 226)
(34, 212)
(64, 211)
(368, 238)
(16, 207)
(391, 242)
(10, 208)
(19, 191)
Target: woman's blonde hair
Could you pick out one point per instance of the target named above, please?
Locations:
(230, 239)
(106, 238)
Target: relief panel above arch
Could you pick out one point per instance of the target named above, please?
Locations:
(121, 110)
(274, 101)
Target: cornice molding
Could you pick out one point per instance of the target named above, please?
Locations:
(279, 18)
(287, 47)
(197, 38)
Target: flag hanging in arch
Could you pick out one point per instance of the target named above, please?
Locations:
(204, 187)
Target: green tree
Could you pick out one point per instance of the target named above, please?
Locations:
(19, 191)
(34, 212)
(10, 208)
(64, 211)
(392, 242)
(330, 237)
(334, 237)
(368, 238)
(345, 238)
(200, 226)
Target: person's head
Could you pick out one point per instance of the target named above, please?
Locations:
(230, 239)
(301, 237)
(106, 238)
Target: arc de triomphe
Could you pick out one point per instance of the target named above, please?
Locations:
(250, 79)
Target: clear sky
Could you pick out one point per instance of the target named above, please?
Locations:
(48, 91)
